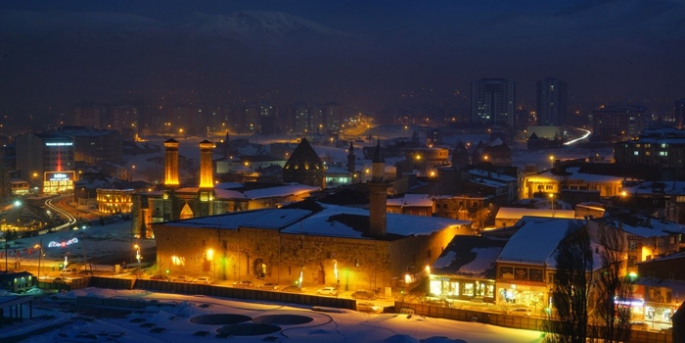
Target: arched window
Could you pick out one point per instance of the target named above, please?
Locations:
(186, 212)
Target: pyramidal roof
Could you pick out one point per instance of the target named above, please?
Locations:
(304, 153)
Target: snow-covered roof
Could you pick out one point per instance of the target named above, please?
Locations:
(228, 194)
(470, 256)
(291, 189)
(647, 227)
(492, 175)
(518, 213)
(673, 256)
(265, 218)
(651, 187)
(322, 219)
(352, 222)
(572, 173)
(537, 239)
(416, 200)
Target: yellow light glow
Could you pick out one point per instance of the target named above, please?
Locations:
(428, 269)
(551, 195)
(624, 193)
(210, 254)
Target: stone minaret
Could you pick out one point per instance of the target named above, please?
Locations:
(351, 160)
(171, 163)
(378, 191)
(206, 166)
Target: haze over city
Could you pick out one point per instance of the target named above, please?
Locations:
(309, 171)
(368, 56)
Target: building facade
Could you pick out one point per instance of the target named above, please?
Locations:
(552, 102)
(493, 101)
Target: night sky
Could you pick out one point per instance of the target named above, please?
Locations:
(365, 54)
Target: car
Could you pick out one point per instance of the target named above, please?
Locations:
(182, 278)
(203, 279)
(364, 294)
(243, 284)
(327, 291)
(268, 286)
(292, 289)
(59, 280)
(160, 277)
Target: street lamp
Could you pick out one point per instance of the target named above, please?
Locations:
(138, 257)
(551, 200)
(551, 161)
(40, 257)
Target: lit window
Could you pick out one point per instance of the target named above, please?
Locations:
(636, 153)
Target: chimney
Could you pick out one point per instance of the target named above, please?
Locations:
(378, 192)
(171, 163)
(206, 167)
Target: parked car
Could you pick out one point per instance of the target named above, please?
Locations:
(182, 278)
(59, 280)
(327, 291)
(364, 294)
(268, 286)
(203, 279)
(243, 284)
(160, 277)
(292, 289)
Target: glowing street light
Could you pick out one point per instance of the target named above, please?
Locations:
(551, 161)
(551, 200)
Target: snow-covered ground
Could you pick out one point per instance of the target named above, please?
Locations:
(171, 314)
(100, 243)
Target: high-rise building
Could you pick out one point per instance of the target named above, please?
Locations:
(493, 101)
(307, 118)
(47, 160)
(552, 102)
(88, 115)
(620, 120)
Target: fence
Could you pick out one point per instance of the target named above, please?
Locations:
(510, 320)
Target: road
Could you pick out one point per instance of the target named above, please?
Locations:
(585, 136)
(57, 206)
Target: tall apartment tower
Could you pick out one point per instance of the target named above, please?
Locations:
(493, 101)
(552, 102)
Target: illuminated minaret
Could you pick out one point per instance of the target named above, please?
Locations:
(378, 189)
(171, 163)
(206, 168)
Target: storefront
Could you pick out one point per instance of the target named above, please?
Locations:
(533, 296)
(462, 289)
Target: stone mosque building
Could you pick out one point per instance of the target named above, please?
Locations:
(306, 243)
(173, 201)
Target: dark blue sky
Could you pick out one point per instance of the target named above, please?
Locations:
(362, 53)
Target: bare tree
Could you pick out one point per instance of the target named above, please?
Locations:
(611, 321)
(571, 290)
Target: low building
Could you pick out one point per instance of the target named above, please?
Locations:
(466, 269)
(308, 243)
(526, 265)
(573, 178)
(412, 204)
(508, 216)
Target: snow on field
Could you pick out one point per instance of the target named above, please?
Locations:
(172, 317)
(101, 243)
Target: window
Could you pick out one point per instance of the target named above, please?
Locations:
(521, 274)
(468, 289)
(536, 275)
(506, 272)
(632, 260)
(636, 153)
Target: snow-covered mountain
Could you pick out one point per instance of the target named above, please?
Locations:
(627, 48)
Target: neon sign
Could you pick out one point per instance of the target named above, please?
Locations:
(59, 144)
(62, 244)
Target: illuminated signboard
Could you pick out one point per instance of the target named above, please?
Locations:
(54, 244)
(59, 144)
(59, 176)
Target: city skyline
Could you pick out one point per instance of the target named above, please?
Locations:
(288, 52)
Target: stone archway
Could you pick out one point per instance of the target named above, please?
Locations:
(259, 268)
